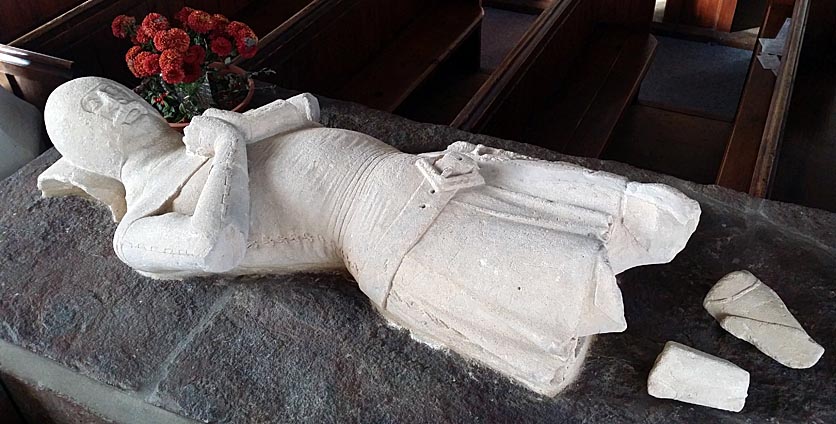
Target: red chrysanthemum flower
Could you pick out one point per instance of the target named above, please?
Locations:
(147, 64)
(195, 54)
(123, 25)
(133, 52)
(201, 21)
(221, 22)
(221, 46)
(174, 75)
(183, 14)
(154, 23)
(191, 72)
(247, 47)
(239, 31)
(130, 59)
(142, 36)
(174, 38)
(171, 59)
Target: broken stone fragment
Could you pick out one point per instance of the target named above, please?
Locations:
(750, 310)
(688, 375)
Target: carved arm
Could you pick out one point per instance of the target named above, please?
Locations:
(280, 116)
(214, 238)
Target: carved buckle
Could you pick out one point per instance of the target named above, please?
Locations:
(450, 171)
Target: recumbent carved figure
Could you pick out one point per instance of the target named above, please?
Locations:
(500, 257)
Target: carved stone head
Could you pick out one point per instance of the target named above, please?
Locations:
(111, 122)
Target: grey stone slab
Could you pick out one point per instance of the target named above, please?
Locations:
(64, 294)
(310, 348)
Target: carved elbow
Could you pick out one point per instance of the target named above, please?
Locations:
(226, 253)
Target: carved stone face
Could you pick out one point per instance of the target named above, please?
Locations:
(111, 122)
(112, 102)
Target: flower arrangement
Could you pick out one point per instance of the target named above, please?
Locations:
(184, 66)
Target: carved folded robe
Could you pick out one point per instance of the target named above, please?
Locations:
(517, 267)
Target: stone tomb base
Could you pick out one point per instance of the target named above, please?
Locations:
(85, 339)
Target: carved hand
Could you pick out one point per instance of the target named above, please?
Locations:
(280, 116)
(205, 132)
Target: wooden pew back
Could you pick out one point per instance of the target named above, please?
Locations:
(330, 53)
(529, 77)
(32, 76)
(752, 148)
(84, 35)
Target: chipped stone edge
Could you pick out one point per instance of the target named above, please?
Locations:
(105, 401)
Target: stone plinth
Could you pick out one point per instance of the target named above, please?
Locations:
(311, 348)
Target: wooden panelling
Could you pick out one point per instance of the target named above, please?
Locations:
(719, 15)
(701, 13)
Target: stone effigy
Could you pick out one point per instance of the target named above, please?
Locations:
(750, 310)
(502, 258)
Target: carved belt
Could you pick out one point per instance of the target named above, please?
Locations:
(445, 173)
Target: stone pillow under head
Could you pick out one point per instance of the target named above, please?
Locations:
(20, 133)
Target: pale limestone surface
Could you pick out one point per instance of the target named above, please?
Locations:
(750, 310)
(689, 375)
(20, 133)
(504, 259)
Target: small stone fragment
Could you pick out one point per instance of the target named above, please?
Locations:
(688, 375)
(751, 311)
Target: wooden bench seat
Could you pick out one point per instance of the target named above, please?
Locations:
(394, 73)
(570, 80)
(373, 52)
(596, 93)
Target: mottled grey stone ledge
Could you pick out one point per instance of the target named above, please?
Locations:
(309, 347)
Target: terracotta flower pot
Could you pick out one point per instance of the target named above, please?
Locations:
(224, 69)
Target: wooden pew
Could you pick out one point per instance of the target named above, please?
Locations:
(83, 33)
(374, 52)
(524, 6)
(32, 76)
(718, 15)
(571, 78)
(748, 162)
